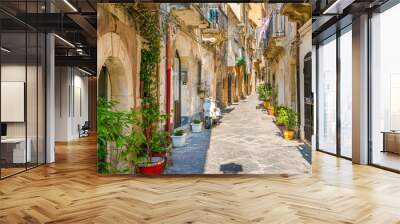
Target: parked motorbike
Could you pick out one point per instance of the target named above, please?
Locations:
(212, 113)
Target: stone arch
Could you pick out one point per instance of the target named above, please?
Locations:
(114, 56)
(118, 48)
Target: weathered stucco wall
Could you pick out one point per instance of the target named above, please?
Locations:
(118, 48)
(191, 53)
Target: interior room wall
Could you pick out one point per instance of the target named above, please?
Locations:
(71, 87)
(16, 73)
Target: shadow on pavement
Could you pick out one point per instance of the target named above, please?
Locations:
(231, 168)
(305, 152)
(191, 158)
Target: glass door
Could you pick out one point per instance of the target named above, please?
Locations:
(22, 77)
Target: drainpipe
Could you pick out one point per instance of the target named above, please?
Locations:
(168, 82)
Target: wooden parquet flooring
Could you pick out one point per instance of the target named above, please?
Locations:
(70, 191)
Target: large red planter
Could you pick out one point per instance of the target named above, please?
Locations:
(156, 166)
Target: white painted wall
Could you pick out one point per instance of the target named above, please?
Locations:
(71, 102)
(33, 126)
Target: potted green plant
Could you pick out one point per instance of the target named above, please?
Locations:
(281, 115)
(291, 125)
(264, 94)
(273, 99)
(160, 145)
(134, 153)
(196, 125)
(178, 138)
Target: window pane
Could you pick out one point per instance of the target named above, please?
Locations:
(327, 96)
(15, 150)
(346, 93)
(385, 84)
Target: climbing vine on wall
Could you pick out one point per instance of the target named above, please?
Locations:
(148, 24)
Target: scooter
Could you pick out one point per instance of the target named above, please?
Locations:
(212, 113)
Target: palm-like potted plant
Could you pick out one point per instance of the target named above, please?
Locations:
(178, 138)
(291, 124)
(196, 125)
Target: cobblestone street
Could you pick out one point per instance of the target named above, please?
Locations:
(190, 159)
(246, 141)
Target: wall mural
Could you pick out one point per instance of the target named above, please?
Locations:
(187, 88)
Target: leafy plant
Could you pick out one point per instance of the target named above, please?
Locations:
(264, 91)
(292, 120)
(110, 133)
(196, 121)
(151, 31)
(282, 115)
(179, 132)
(134, 152)
(159, 142)
(240, 61)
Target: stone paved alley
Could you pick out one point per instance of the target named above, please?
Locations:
(246, 141)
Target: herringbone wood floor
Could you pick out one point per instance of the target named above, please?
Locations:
(70, 191)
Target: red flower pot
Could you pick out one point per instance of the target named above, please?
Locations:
(162, 155)
(155, 166)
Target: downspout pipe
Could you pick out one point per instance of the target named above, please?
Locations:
(168, 82)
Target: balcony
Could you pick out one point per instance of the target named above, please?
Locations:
(218, 22)
(189, 13)
(275, 33)
(276, 27)
(299, 13)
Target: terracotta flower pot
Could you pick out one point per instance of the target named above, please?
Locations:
(155, 166)
(266, 104)
(288, 134)
(270, 111)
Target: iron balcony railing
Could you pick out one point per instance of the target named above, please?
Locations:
(215, 16)
(276, 27)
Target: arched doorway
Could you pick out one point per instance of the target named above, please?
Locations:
(103, 83)
(229, 89)
(113, 83)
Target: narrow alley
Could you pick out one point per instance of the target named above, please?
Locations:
(246, 141)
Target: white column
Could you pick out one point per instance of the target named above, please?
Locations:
(360, 90)
(50, 101)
